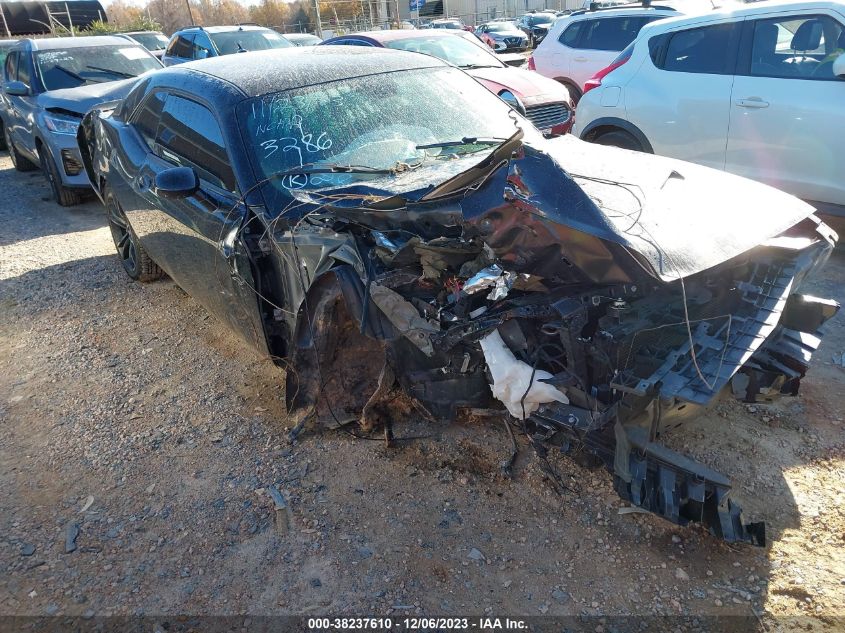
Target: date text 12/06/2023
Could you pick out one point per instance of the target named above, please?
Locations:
(417, 624)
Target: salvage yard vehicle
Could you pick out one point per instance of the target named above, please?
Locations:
(197, 42)
(153, 41)
(394, 235)
(48, 85)
(543, 101)
(502, 36)
(757, 91)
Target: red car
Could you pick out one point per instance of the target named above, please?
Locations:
(543, 101)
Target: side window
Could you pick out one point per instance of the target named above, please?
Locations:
(145, 119)
(23, 71)
(10, 70)
(703, 50)
(569, 37)
(796, 47)
(189, 135)
(611, 34)
(181, 46)
(202, 47)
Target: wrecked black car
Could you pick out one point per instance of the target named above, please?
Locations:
(395, 236)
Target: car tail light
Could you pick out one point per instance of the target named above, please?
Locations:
(595, 80)
(531, 65)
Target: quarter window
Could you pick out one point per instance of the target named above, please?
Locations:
(11, 67)
(611, 34)
(23, 72)
(181, 46)
(796, 47)
(569, 37)
(190, 136)
(703, 50)
(146, 117)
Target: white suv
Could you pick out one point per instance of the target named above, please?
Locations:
(757, 91)
(583, 43)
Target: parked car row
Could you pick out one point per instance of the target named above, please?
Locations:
(390, 228)
(366, 212)
(544, 102)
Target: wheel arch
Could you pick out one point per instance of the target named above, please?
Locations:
(607, 124)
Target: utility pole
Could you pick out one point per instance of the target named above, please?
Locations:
(319, 21)
(190, 13)
(5, 24)
(69, 20)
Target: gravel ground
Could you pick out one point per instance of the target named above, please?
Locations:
(138, 440)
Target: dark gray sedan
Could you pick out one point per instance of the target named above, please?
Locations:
(48, 85)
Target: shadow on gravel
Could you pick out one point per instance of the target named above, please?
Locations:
(35, 214)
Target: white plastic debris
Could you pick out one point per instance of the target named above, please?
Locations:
(511, 378)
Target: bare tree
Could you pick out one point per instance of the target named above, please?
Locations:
(171, 14)
(269, 13)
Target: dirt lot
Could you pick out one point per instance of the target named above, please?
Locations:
(130, 416)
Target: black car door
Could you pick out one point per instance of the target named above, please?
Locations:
(193, 237)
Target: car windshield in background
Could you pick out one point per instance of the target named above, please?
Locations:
(75, 67)
(446, 25)
(151, 41)
(502, 27)
(378, 122)
(454, 49)
(236, 41)
(542, 18)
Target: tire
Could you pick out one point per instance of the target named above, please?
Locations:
(574, 93)
(21, 163)
(61, 194)
(2, 136)
(619, 138)
(137, 264)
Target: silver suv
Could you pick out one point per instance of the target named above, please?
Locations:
(48, 85)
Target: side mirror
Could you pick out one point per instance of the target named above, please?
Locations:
(839, 66)
(17, 89)
(176, 182)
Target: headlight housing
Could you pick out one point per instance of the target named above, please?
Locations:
(512, 100)
(60, 124)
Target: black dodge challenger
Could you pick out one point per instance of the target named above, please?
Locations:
(393, 234)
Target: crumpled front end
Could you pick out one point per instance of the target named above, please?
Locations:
(510, 287)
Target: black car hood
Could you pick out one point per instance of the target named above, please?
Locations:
(680, 217)
(80, 100)
(677, 220)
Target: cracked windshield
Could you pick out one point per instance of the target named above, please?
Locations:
(386, 123)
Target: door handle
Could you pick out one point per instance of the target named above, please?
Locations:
(752, 102)
(580, 59)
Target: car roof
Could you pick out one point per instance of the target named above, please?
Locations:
(226, 29)
(739, 11)
(281, 69)
(402, 34)
(63, 43)
(299, 35)
(622, 10)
